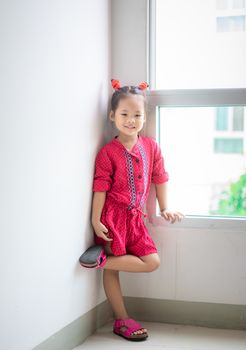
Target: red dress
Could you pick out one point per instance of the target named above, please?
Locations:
(125, 176)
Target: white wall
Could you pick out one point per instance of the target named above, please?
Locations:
(200, 261)
(54, 95)
(129, 41)
(197, 265)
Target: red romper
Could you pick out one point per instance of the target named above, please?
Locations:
(125, 176)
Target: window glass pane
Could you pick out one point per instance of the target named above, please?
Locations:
(238, 118)
(190, 52)
(202, 180)
(221, 118)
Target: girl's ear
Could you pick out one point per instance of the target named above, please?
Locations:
(111, 116)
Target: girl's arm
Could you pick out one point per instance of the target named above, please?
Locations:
(97, 207)
(161, 194)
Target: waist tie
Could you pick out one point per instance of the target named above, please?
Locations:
(137, 210)
(133, 210)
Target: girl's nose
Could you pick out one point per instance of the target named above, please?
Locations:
(131, 118)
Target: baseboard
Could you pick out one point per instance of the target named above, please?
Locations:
(210, 315)
(76, 332)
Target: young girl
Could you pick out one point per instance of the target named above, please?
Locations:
(124, 169)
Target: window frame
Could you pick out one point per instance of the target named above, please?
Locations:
(185, 98)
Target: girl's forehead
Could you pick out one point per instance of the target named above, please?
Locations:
(132, 101)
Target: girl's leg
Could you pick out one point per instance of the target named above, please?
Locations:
(131, 263)
(112, 289)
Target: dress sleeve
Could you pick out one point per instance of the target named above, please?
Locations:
(159, 174)
(103, 172)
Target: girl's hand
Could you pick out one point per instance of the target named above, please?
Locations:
(171, 216)
(101, 231)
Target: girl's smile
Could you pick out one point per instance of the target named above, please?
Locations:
(129, 117)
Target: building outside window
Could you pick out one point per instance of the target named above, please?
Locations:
(231, 15)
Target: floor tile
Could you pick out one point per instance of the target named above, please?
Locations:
(169, 337)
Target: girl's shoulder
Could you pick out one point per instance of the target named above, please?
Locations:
(151, 145)
(109, 145)
(107, 149)
(150, 141)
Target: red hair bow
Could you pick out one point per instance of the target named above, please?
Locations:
(115, 84)
(143, 85)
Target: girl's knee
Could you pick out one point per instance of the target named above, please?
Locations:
(155, 263)
(152, 262)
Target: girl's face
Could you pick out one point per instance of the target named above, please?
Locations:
(129, 117)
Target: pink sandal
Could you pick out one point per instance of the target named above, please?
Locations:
(125, 328)
(93, 257)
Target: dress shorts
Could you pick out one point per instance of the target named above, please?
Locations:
(128, 231)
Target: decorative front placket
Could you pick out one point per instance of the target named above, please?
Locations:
(145, 176)
(130, 172)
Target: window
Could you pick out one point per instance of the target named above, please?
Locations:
(226, 145)
(230, 4)
(238, 4)
(197, 106)
(230, 118)
(231, 24)
(221, 118)
(202, 166)
(231, 15)
(238, 118)
(229, 130)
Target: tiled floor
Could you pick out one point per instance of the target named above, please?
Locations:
(169, 337)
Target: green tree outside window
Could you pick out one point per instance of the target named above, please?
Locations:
(233, 201)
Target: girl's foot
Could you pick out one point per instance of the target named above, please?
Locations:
(130, 330)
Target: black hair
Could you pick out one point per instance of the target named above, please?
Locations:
(124, 92)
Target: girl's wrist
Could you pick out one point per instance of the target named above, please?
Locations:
(95, 220)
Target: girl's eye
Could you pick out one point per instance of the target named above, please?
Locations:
(138, 115)
(124, 114)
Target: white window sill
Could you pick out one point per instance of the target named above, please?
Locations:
(203, 222)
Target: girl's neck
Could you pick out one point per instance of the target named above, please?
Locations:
(127, 141)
